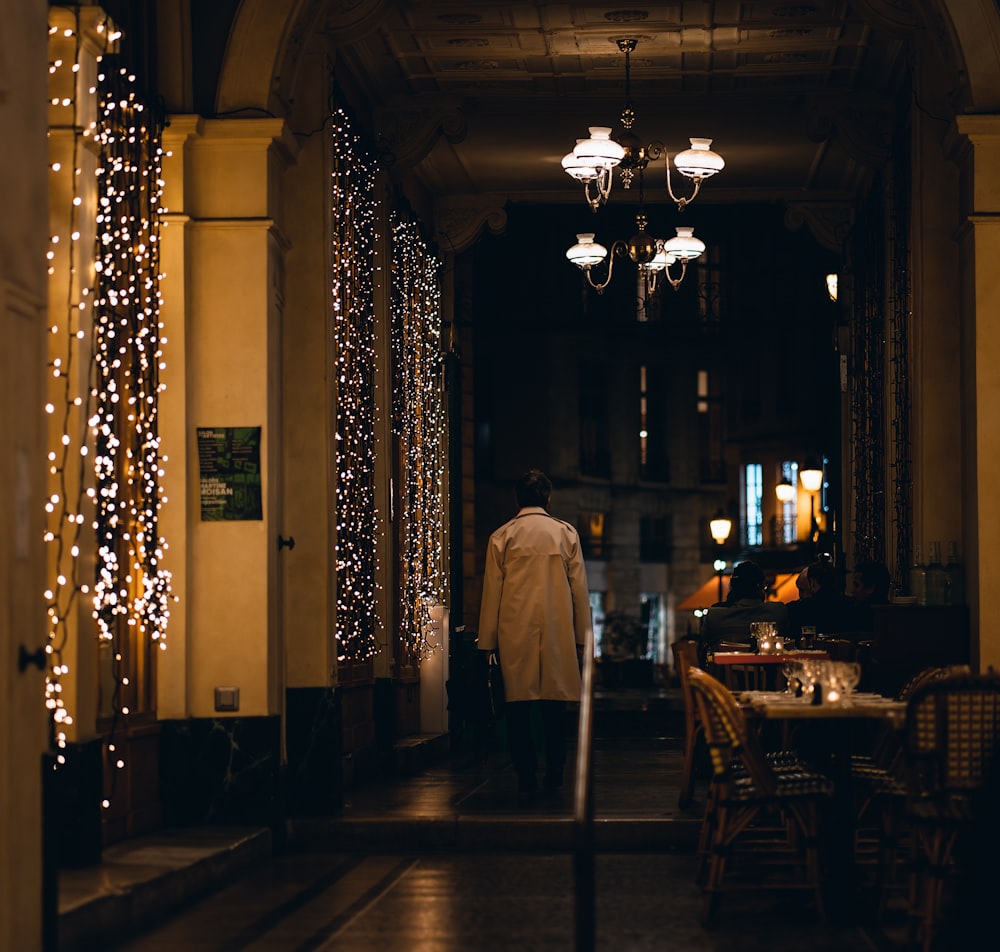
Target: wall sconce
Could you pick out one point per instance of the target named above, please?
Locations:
(720, 527)
(785, 491)
(811, 475)
(831, 286)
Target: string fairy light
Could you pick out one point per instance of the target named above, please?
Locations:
(105, 467)
(419, 425)
(354, 234)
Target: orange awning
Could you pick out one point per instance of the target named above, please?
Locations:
(782, 590)
(706, 596)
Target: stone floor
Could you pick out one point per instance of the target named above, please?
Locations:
(452, 859)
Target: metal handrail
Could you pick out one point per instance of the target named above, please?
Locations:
(583, 808)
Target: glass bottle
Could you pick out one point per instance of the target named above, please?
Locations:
(937, 578)
(956, 576)
(918, 579)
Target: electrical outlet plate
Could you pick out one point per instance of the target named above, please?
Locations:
(227, 699)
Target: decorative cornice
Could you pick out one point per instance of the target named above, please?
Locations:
(829, 222)
(459, 219)
(406, 134)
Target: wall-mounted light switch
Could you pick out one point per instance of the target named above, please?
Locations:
(227, 699)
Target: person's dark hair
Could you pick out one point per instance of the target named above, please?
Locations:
(747, 581)
(874, 575)
(533, 489)
(823, 573)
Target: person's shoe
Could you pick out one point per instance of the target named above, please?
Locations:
(552, 783)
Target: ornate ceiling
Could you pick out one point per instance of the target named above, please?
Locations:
(483, 98)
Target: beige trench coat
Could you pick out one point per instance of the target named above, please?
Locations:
(535, 608)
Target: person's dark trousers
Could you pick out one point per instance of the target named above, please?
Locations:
(522, 747)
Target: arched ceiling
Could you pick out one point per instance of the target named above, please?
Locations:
(474, 97)
(796, 96)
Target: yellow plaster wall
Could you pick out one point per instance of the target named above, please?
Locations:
(24, 236)
(936, 342)
(227, 305)
(308, 422)
(981, 247)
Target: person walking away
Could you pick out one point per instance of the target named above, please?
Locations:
(535, 613)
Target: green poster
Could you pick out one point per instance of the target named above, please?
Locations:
(229, 463)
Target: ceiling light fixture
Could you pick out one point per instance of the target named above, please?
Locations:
(593, 160)
(652, 256)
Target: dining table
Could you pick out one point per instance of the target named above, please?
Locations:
(750, 669)
(826, 735)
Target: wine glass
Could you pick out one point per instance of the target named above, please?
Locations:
(792, 671)
(851, 675)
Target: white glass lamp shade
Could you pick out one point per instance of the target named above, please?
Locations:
(699, 162)
(720, 527)
(586, 252)
(583, 170)
(684, 246)
(662, 259)
(600, 150)
(812, 479)
(785, 492)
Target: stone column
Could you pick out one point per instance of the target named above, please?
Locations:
(979, 241)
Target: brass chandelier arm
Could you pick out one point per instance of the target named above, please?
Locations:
(675, 283)
(602, 186)
(655, 151)
(618, 248)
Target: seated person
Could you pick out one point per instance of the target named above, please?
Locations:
(869, 587)
(730, 621)
(827, 609)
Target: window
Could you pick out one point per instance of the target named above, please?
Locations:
(595, 452)
(597, 617)
(753, 504)
(708, 397)
(654, 539)
(653, 462)
(709, 271)
(651, 615)
(788, 511)
(593, 540)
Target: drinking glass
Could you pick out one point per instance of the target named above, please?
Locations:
(792, 670)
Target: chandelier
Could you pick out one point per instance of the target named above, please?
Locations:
(593, 160)
(653, 256)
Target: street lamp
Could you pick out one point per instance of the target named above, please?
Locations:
(720, 527)
(785, 492)
(812, 479)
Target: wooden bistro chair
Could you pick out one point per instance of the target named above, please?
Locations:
(952, 760)
(761, 825)
(685, 654)
(878, 777)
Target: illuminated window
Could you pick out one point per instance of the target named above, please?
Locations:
(592, 527)
(788, 511)
(753, 503)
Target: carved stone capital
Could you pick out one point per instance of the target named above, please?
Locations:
(829, 222)
(407, 133)
(459, 219)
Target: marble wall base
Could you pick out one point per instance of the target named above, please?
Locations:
(222, 772)
(314, 775)
(72, 806)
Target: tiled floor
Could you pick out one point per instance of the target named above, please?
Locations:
(452, 859)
